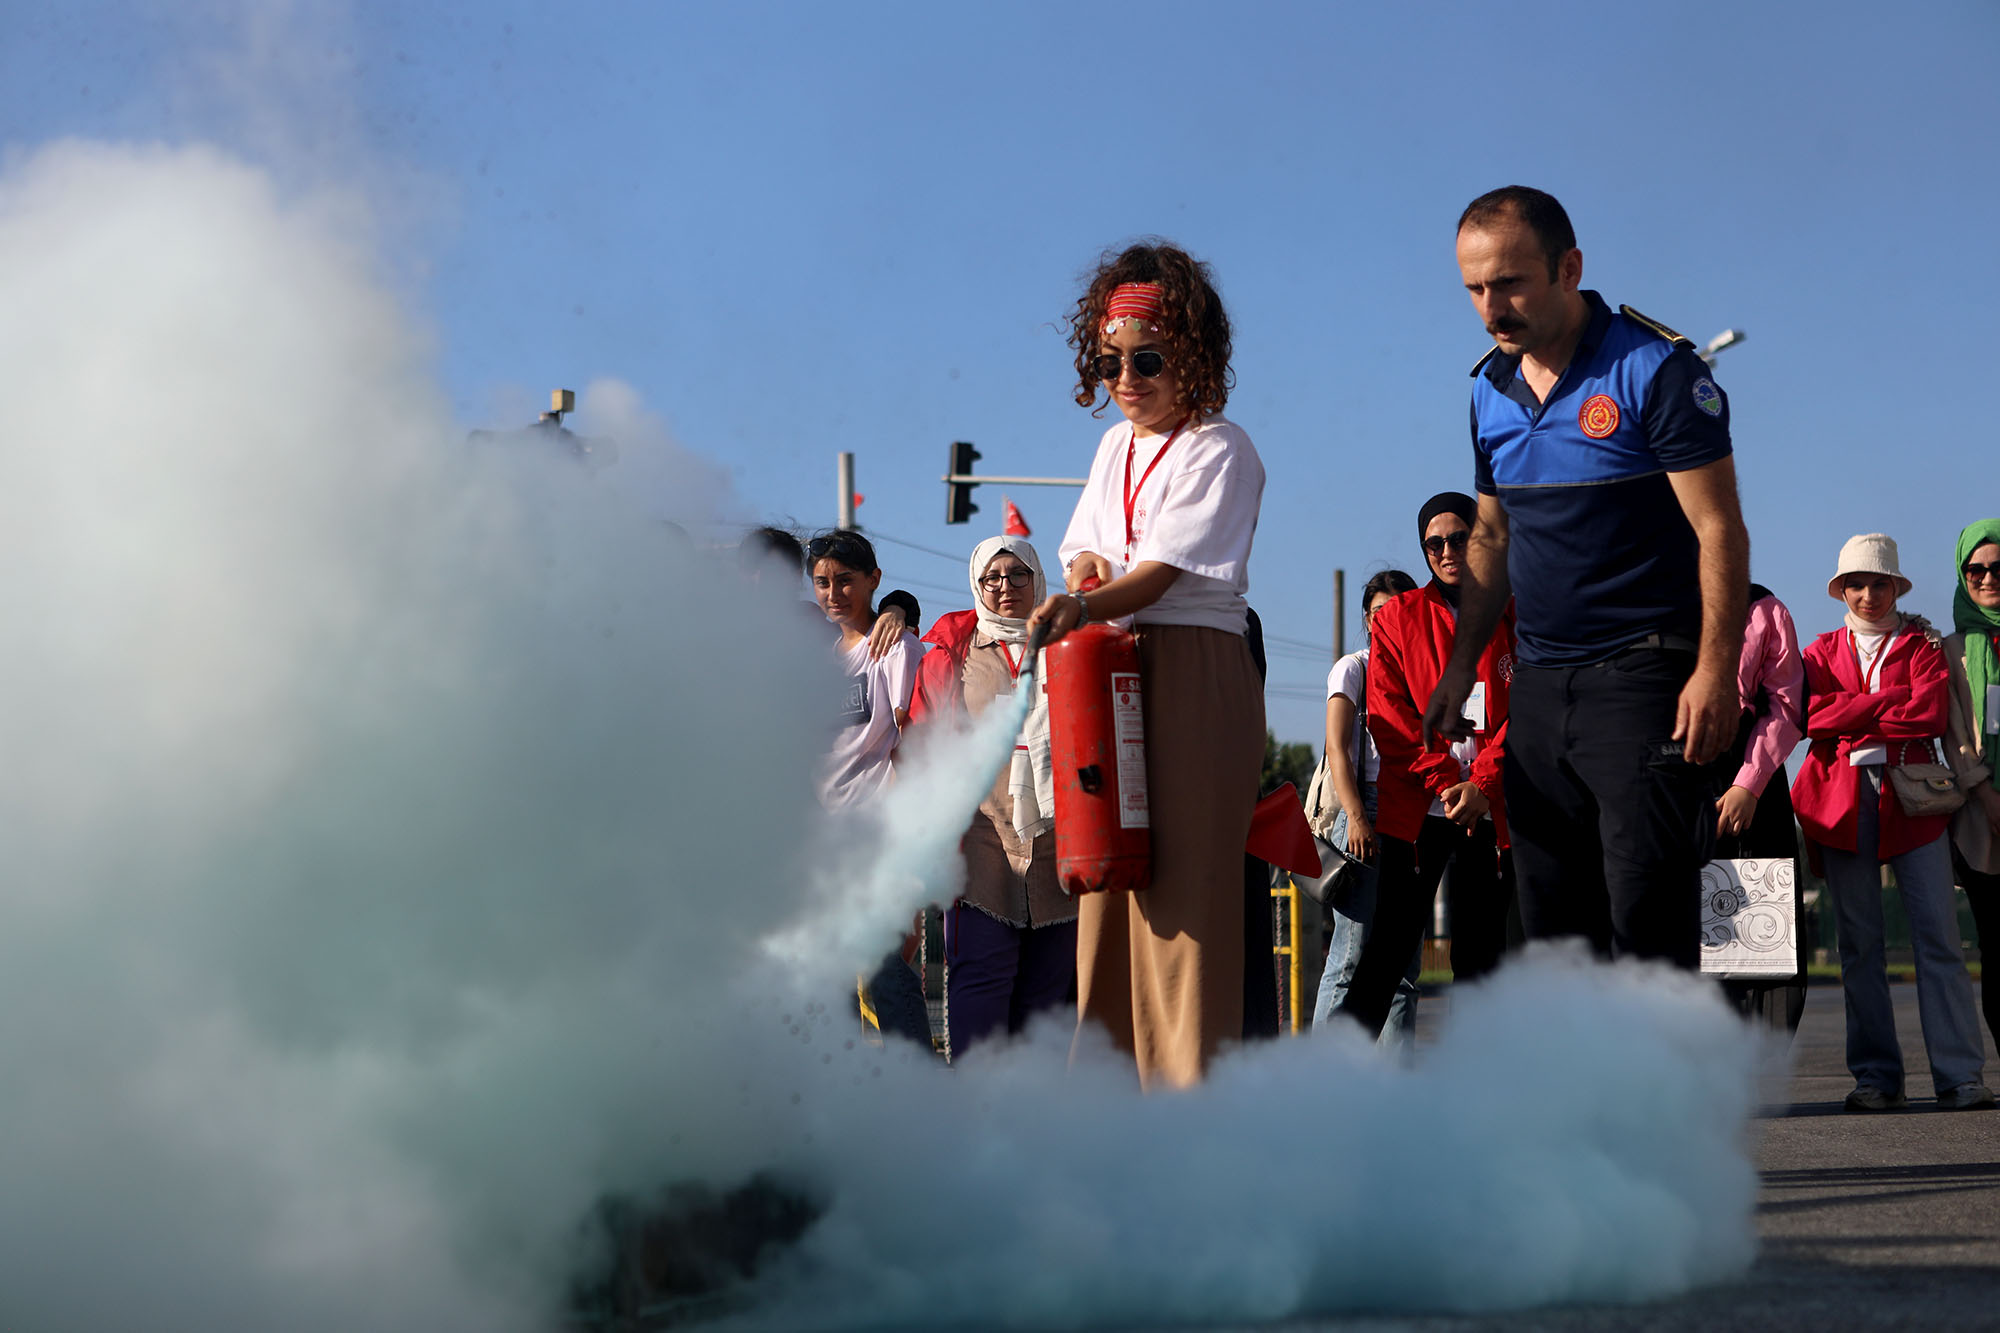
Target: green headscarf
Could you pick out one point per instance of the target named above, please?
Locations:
(1978, 625)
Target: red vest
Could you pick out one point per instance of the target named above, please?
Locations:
(1906, 713)
(1408, 646)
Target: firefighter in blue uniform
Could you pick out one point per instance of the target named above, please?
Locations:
(1607, 506)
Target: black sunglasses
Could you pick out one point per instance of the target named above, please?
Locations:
(1454, 540)
(1974, 571)
(845, 547)
(1147, 365)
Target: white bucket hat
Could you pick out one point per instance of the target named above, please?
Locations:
(1869, 553)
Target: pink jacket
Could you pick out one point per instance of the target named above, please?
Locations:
(1770, 664)
(1907, 712)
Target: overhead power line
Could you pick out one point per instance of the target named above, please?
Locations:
(876, 535)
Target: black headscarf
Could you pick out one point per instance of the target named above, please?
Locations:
(1445, 502)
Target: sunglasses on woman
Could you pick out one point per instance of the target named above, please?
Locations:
(1974, 571)
(1147, 365)
(1013, 578)
(838, 546)
(1454, 540)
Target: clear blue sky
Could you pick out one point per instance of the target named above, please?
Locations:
(805, 228)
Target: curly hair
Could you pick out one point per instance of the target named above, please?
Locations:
(1192, 321)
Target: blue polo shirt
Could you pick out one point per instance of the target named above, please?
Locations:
(1599, 552)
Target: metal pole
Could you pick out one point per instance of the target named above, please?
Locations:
(846, 483)
(1339, 614)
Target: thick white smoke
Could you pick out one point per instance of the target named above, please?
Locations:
(413, 843)
(387, 821)
(1574, 1136)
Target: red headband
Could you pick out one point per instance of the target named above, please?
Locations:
(1133, 300)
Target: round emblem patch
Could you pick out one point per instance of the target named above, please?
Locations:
(1707, 397)
(1598, 416)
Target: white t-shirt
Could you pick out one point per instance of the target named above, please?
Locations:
(857, 767)
(1350, 677)
(1196, 511)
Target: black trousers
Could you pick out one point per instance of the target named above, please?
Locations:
(1610, 826)
(1983, 892)
(1406, 886)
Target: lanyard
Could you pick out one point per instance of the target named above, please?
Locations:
(1013, 667)
(1875, 660)
(1132, 495)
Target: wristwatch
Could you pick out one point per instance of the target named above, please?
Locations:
(1082, 610)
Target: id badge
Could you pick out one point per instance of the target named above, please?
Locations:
(1475, 706)
(1992, 710)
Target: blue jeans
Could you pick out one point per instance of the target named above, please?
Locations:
(1944, 990)
(1352, 911)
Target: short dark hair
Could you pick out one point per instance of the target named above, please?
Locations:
(847, 546)
(1539, 209)
(1391, 581)
(768, 543)
(1193, 323)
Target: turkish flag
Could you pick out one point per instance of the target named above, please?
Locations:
(1280, 834)
(1016, 526)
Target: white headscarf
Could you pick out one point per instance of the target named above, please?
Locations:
(1009, 629)
(1031, 778)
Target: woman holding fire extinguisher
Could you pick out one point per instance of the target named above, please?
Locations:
(1162, 535)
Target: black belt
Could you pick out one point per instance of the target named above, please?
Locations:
(1664, 643)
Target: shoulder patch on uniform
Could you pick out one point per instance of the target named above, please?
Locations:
(1707, 397)
(1646, 322)
(1480, 364)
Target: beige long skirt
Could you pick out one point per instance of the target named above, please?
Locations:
(1162, 969)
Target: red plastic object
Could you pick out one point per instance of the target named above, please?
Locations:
(1281, 835)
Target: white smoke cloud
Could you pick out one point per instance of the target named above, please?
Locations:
(399, 829)
(381, 815)
(1574, 1136)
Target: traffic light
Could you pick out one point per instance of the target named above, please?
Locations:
(958, 506)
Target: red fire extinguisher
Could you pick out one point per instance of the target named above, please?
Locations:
(1098, 743)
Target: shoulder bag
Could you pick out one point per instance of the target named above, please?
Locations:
(1338, 870)
(1926, 788)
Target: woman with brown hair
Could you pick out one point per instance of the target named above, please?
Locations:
(1164, 528)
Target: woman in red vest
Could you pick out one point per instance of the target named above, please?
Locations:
(1877, 697)
(1010, 938)
(1438, 804)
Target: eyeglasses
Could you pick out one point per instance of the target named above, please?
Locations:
(1013, 578)
(1454, 540)
(1974, 571)
(1147, 365)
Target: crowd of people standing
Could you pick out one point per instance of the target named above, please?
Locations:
(1583, 704)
